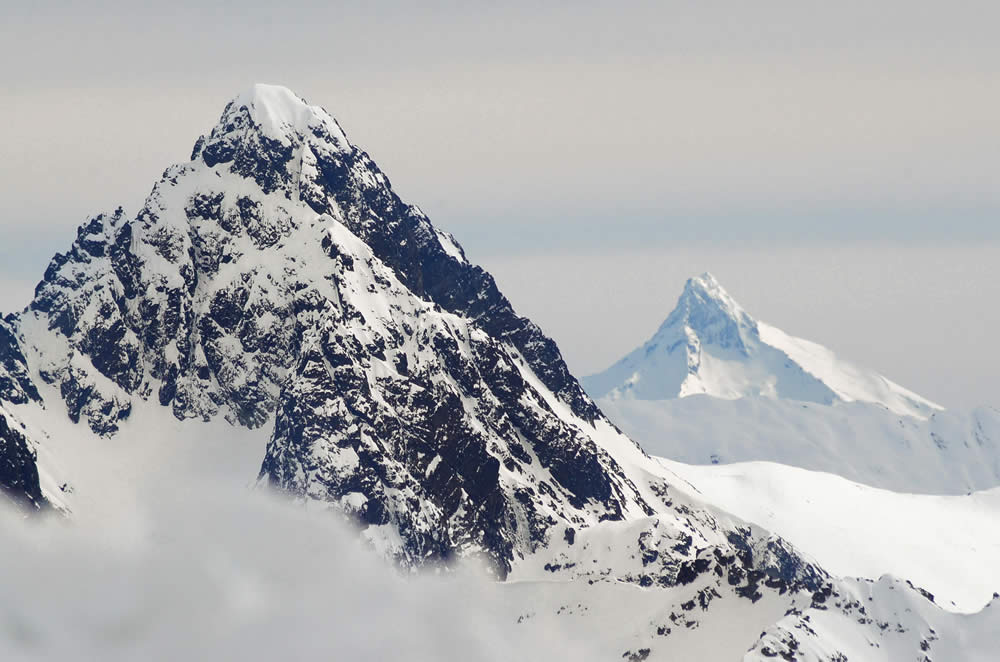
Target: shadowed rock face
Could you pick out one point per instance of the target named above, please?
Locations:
(16, 386)
(18, 473)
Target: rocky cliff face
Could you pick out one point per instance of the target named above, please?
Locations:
(18, 473)
(16, 386)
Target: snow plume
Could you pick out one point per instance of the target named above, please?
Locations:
(185, 568)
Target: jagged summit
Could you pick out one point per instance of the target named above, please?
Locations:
(281, 114)
(707, 289)
(710, 345)
(704, 293)
(709, 311)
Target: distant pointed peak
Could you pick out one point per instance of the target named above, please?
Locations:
(706, 311)
(710, 345)
(707, 286)
(703, 294)
(704, 280)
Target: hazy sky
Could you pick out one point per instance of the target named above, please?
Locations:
(836, 164)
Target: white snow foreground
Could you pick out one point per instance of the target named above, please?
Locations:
(165, 555)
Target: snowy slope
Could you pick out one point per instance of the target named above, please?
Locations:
(949, 453)
(945, 544)
(896, 623)
(709, 344)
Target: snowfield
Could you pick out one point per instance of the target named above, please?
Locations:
(947, 545)
(949, 453)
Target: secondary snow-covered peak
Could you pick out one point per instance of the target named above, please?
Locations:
(706, 288)
(706, 311)
(710, 345)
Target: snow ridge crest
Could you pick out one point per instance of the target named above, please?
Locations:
(281, 114)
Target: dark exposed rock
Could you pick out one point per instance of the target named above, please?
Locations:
(18, 472)
(690, 570)
(16, 386)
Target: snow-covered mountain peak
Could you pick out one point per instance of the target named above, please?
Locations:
(707, 312)
(274, 137)
(710, 345)
(706, 288)
(280, 114)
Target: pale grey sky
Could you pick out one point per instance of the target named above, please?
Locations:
(591, 131)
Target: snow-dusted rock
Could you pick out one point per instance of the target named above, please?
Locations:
(15, 382)
(277, 279)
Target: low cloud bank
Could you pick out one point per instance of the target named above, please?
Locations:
(197, 569)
